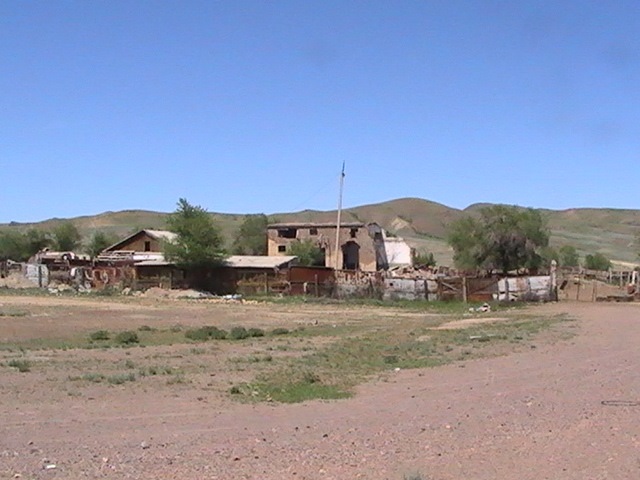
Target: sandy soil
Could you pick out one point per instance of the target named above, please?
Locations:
(532, 415)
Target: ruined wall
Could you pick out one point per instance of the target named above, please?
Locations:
(325, 237)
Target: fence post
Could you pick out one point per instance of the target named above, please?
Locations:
(594, 291)
(315, 283)
(266, 283)
(578, 289)
(464, 289)
(506, 289)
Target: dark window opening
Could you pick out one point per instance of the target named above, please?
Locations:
(313, 231)
(354, 232)
(287, 233)
(147, 246)
(282, 248)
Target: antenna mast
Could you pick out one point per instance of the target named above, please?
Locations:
(337, 249)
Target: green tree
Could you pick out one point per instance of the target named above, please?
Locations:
(251, 238)
(308, 253)
(36, 240)
(501, 238)
(199, 243)
(425, 259)
(569, 256)
(98, 242)
(66, 237)
(597, 261)
(19, 247)
(12, 246)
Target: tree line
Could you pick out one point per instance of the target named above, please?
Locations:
(20, 246)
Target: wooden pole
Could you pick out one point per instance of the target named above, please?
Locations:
(337, 248)
(464, 289)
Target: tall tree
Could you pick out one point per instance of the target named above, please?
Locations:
(36, 240)
(12, 246)
(66, 237)
(98, 242)
(501, 238)
(199, 243)
(569, 256)
(251, 238)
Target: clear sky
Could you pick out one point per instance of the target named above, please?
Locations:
(252, 106)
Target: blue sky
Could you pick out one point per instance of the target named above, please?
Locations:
(252, 106)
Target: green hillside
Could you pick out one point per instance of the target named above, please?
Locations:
(421, 222)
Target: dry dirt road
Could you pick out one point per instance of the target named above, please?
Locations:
(554, 412)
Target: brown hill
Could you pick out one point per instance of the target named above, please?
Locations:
(423, 223)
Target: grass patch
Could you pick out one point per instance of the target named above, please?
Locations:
(120, 378)
(331, 371)
(13, 313)
(127, 337)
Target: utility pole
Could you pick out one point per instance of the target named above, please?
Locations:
(337, 249)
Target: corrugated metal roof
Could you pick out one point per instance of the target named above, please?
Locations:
(155, 234)
(153, 263)
(315, 225)
(258, 261)
(161, 234)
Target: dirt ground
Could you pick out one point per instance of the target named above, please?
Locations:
(564, 410)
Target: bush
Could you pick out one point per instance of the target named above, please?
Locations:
(20, 365)
(256, 332)
(100, 335)
(203, 334)
(280, 331)
(127, 337)
(239, 333)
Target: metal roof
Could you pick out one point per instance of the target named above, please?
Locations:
(161, 234)
(153, 263)
(155, 234)
(316, 225)
(258, 261)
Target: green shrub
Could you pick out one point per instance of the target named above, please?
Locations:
(238, 333)
(203, 334)
(127, 337)
(256, 332)
(121, 378)
(280, 331)
(99, 335)
(21, 365)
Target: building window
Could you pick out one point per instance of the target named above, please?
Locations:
(354, 232)
(282, 248)
(313, 231)
(287, 233)
(147, 246)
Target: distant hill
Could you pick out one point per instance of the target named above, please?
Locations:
(421, 222)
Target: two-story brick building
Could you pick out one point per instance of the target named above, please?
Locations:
(361, 246)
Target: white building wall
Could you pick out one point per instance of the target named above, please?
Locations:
(398, 251)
